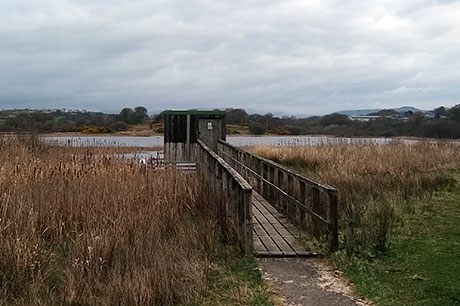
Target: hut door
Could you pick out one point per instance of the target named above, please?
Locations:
(209, 132)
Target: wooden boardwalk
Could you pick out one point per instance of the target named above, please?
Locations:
(273, 235)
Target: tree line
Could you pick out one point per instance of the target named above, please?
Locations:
(70, 121)
(444, 123)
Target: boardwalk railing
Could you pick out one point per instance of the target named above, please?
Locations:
(236, 193)
(309, 205)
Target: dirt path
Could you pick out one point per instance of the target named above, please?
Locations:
(307, 282)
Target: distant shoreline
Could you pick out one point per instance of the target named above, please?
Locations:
(123, 134)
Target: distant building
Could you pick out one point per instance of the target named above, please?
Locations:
(374, 117)
(364, 118)
(184, 128)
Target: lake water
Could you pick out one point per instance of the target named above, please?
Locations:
(157, 141)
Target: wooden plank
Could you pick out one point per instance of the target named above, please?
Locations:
(283, 220)
(275, 231)
(270, 230)
(259, 247)
(265, 236)
(277, 238)
(274, 217)
(271, 247)
(259, 229)
(281, 229)
(284, 243)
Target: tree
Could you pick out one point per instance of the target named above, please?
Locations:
(454, 113)
(440, 112)
(136, 116)
(141, 113)
(126, 115)
(236, 115)
(256, 128)
(337, 119)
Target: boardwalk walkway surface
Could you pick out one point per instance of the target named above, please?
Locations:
(273, 235)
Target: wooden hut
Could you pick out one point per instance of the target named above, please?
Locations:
(183, 128)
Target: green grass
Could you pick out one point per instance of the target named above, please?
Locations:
(234, 279)
(422, 264)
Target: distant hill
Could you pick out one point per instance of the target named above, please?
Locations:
(364, 112)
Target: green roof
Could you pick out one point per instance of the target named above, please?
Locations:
(193, 112)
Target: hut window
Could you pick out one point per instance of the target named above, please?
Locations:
(209, 125)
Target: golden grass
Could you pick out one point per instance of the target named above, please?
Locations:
(84, 228)
(372, 179)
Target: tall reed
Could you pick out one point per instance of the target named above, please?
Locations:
(373, 180)
(84, 228)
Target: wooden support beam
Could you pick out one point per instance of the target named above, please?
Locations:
(333, 221)
(315, 207)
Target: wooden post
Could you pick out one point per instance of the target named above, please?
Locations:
(187, 139)
(224, 186)
(315, 208)
(241, 218)
(247, 164)
(220, 194)
(281, 184)
(333, 221)
(302, 199)
(290, 190)
(275, 194)
(235, 208)
(258, 169)
(249, 248)
(271, 179)
(264, 184)
(229, 199)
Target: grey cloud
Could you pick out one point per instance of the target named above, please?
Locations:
(294, 57)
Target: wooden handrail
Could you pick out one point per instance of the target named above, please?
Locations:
(281, 191)
(236, 176)
(281, 167)
(286, 190)
(236, 200)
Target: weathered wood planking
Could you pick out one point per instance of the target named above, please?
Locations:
(234, 204)
(273, 235)
(292, 194)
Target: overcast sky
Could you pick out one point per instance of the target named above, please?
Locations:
(291, 57)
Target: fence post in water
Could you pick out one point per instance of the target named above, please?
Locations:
(315, 208)
(333, 221)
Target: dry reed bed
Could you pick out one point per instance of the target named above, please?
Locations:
(88, 229)
(372, 179)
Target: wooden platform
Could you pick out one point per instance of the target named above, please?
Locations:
(273, 235)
